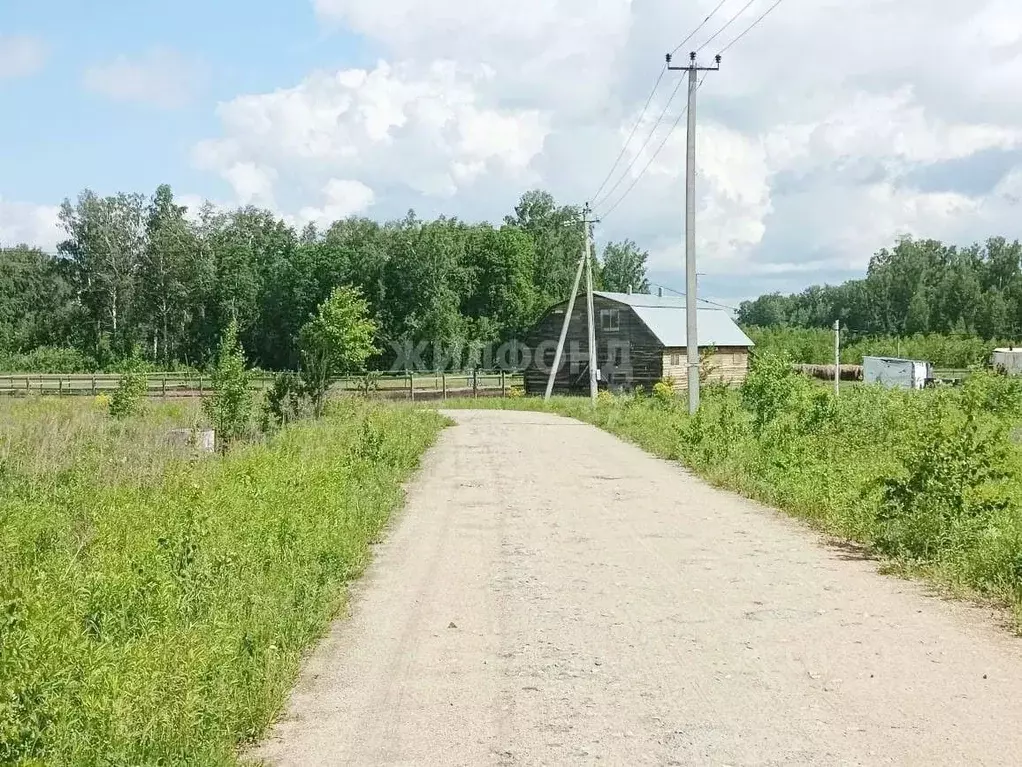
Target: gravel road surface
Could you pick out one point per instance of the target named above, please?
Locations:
(554, 596)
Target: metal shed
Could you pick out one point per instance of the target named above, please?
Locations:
(896, 373)
(1009, 360)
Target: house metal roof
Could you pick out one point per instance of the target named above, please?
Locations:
(665, 317)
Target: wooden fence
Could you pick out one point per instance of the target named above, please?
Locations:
(169, 385)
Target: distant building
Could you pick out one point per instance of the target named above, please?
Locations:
(640, 340)
(1008, 360)
(896, 373)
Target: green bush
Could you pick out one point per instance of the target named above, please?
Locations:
(48, 359)
(769, 387)
(229, 407)
(663, 393)
(129, 398)
(950, 483)
(286, 400)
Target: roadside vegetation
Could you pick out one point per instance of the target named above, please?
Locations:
(931, 481)
(155, 600)
(154, 605)
(815, 346)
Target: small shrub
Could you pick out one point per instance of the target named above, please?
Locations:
(286, 401)
(130, 396)
(1000, 395)
(337, 340)
(707, 367)
(949, 487)
(604, 398)
(229, 407)
(663, 392)
(368, 382)
(516, 392)
(369, 446)
(768, 388)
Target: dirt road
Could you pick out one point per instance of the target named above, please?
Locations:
(553, 596)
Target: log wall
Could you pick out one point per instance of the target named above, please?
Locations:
(727, 364)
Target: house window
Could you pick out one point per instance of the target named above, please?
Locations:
(619, 355)
(610, 319)
(675, 359)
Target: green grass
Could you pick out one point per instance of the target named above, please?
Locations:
(154, 606)
(931, 482)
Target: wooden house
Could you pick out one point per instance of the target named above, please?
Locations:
(640, 340)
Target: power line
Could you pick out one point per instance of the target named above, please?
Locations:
(703, 24)
(705, 301)
(645, 143)
(727, 24)
(596, 197)
(631, 135)
(748, 29)
(659, 149)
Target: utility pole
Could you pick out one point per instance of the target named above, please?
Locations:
(691, 286)
(837, 358)
(583, 263)
(587, 245)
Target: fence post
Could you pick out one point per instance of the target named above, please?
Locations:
(475, 382)
(411, 387)
(94, 391)
(443, 382)
(503, 384)
(60, 387)
(200, 387)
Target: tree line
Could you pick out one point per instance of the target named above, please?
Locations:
(139, 274)
(917, 287)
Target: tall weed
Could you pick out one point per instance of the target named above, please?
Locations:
(159, 618)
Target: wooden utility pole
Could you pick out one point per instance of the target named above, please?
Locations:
(691, 286)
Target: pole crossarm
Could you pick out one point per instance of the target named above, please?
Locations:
(692, 64)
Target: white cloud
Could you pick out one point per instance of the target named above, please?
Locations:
(343, 198)
(21, 56)
(253, 184)
(22, 222)
(161, 77)
(429, 132)
(551, 52)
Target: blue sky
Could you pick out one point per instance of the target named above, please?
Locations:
(67, 138)
(827, 133)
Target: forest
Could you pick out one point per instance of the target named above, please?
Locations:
(144, 273)
(918, 287)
